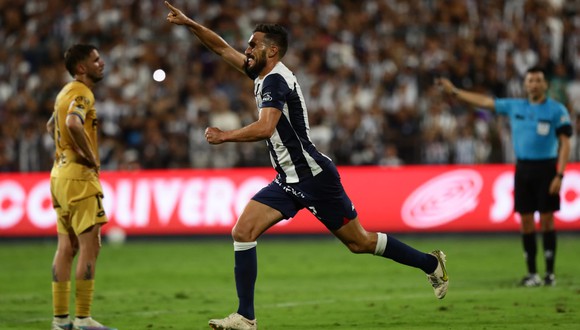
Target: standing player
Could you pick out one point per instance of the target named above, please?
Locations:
(76, 190)
(541, 133)
(306, 178)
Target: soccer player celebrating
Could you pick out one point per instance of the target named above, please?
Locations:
(306, 179)
(76, 190)
(541, 133)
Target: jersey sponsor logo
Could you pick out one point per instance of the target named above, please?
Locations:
(81, 103)
(266, 97)
(289, 189)
(81, 100)
(442, 199)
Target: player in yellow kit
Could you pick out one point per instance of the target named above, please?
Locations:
(76, 190)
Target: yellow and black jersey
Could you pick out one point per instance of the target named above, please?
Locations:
(74, 99)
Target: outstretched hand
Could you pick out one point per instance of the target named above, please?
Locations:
(175, 15)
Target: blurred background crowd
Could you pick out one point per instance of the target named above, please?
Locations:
(366, 69)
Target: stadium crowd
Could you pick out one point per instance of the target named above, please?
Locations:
(366, 69)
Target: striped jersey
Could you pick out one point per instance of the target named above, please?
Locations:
(535, 127)
(292, 153)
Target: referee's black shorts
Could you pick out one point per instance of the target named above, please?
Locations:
(532, 186)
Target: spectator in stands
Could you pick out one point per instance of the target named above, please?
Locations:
(368, 49)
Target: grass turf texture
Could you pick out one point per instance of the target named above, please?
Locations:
(303, 283)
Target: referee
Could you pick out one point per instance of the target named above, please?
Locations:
(541, 131)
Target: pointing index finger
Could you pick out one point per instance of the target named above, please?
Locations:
(168, 5)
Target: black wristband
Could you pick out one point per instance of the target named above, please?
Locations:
(560, 175)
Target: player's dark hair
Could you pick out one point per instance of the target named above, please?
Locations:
(276, 34)
(76, 54)
(537, 69)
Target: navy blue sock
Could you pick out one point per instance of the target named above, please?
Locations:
(406, 255)
(549, 242)
(246, 271)
(530, 250)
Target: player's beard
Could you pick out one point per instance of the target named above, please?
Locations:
(259, 64)
(95, 78)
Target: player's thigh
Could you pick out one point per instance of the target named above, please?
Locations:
(525, 191)
(90, 240)
(87, 213)
(255, 220)
(59, 193)
(528, 224)
(68, 243)
(547, 221)
(63, 223)
(78, 204)
(326, 199)
(268, 206)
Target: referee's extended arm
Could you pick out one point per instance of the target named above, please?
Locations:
(475, 99)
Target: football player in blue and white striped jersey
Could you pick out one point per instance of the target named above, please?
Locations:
(306, 178)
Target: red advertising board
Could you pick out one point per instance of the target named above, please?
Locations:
(197, 202)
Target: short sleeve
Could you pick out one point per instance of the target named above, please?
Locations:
(563, 116)
(79, 106)
(502, 106)
(274, 92)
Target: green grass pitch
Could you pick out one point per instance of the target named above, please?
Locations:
(303, 283)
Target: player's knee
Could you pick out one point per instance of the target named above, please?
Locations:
(354, 248)
(547, 226)
(528, 227)
(361, 244)
(242, 235)
(67, 251)
(358, 247)
(90, 252)
(74, 250)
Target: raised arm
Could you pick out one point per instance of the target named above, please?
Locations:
(476, 99)
(210, 39)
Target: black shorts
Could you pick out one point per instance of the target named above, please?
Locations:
(532, 187)
(323, 195)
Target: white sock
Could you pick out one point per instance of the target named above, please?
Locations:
(243, 246)
(381, 244)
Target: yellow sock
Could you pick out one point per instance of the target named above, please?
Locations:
(60, 297)
(84, 297)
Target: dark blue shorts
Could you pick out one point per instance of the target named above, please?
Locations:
(323, 195)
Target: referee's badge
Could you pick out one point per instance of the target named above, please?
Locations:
(543, 128)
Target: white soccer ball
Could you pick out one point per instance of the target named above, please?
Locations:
(116, 236)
